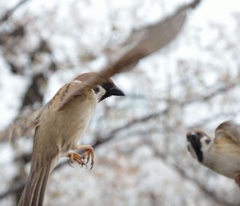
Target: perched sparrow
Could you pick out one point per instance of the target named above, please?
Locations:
(59, 125)
(222, 153)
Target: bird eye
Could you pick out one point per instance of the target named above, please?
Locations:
(207, 141)
(96, 89)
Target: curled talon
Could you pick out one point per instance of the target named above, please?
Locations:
(75, 157)
(89, 153)
(84, 158)
(86, 154)
(70, 163)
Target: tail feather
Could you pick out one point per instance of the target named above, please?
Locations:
(34, 190)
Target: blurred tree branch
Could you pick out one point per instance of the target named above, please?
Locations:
(100, 140)
(147, 41)
(8, 13)
(197, 182)
(150, 39)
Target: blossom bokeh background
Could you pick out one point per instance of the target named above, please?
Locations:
(140, 145)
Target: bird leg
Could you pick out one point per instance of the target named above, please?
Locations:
(237, 178)
(84, 158)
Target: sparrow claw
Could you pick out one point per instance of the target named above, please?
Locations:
(87, 154)
(81, 159)
(70, 163)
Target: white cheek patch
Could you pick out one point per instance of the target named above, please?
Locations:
(206, 144)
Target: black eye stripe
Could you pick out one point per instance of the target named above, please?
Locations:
(196, 145)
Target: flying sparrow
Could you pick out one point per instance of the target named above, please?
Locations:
(59, 125)
(222, 153)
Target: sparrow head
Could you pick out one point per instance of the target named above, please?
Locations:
(198, 142)
(103, 87)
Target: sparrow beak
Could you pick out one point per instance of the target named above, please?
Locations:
(115, 91)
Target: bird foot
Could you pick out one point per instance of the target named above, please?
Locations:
(84, 158)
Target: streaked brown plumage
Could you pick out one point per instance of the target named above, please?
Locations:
(59, 125)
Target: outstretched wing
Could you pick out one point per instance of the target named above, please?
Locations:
(146, 41)
(229, 129)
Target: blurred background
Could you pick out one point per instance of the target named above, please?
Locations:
(140, 146)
